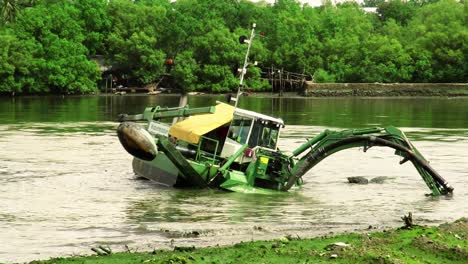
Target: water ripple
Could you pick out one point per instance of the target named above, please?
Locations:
(72, 185)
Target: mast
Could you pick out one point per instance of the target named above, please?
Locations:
(246, 64)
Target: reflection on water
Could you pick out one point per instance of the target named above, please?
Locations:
(337, 112)
(66, 186)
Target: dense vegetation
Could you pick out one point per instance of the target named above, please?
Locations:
(49, 45)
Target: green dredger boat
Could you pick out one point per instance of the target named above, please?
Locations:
(235, 149)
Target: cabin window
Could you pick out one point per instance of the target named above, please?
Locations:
(240, 128)
(264, 134)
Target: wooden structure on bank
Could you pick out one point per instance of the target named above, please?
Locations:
(284, 81)
(112, 87)
(281, 81)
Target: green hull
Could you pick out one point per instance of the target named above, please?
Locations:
(162, 171)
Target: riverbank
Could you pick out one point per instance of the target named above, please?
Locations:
(385, 89)
(311, 89)
(447, 243)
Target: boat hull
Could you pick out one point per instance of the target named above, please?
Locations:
(163, 171)
(159, 170)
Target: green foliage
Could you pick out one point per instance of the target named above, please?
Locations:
(133, 39)
(8, 9)
(217, 78)
(253, 81)
(48, 45)
(16, 63)
(396, 9)
(322, 76)
(415, 245)
(440, 31)
(185, 71)
(372, 3)
(95, 22)
(385, 61)
(45, 52)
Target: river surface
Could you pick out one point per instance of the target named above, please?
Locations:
(67, 185)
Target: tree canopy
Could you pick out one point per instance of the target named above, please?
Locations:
(50, 45)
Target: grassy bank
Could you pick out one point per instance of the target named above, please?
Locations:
(447, 243)
(386, 89)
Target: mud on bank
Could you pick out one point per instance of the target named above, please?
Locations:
(447, 243)
(385, 89)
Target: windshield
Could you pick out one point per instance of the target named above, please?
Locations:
(264, 134)
(240, 128)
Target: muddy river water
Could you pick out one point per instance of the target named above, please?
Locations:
(67, 185)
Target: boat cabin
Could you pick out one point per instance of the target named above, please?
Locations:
(251, 128)
(224, 132)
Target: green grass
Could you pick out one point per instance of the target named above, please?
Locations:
(444, 244)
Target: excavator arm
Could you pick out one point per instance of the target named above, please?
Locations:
(329, 142)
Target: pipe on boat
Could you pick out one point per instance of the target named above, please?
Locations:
(186, 152)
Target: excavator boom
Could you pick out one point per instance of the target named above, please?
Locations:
(329, 142)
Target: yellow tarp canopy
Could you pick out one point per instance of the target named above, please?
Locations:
(192, 128)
